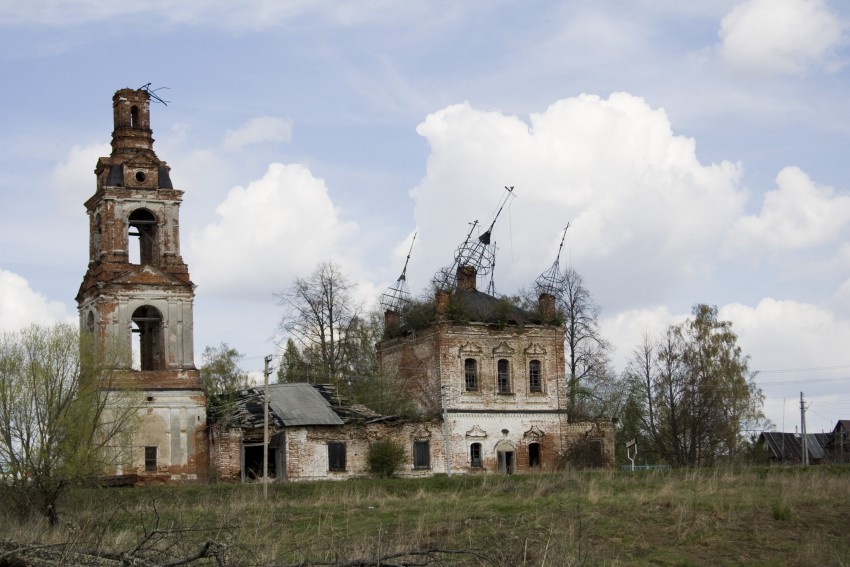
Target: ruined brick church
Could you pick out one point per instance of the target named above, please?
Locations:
(488, 376)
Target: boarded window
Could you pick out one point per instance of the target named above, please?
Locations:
(150, 459)
(504, 376)
(475, 456)
(336, 456)
(421, 454)
(470, 370)
(535, 384)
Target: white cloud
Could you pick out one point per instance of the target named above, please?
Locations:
(787, 334)
(627, 329)
(279, 226)
(781, 36)
(20, 305)
(259, 129)
(74, 176)
(635, 193)
(798, 214)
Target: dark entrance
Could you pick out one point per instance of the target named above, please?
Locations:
(534, 455)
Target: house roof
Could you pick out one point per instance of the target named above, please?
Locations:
(294, 405)
(301, 404)
(789, 446)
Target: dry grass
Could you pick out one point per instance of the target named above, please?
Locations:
(696, 517)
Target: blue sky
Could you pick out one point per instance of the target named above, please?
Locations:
(697, 148)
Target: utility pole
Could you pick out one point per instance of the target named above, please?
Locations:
(803, 437)
(266, 372)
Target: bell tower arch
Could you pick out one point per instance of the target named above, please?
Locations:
(137, 293)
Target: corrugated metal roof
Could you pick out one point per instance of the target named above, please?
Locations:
(301, 404)
(789, 446)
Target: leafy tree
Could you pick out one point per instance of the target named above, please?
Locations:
(587, 352)
(222, 378)
(696, 391)
(62, 417)
(320, 317)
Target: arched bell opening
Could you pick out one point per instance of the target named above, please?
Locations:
(147, 343)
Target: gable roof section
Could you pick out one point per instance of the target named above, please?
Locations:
(789, 446)
(301, 404)
(294, 405)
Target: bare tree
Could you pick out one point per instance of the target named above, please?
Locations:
(587, 351)
(320, 316)
(62, 419)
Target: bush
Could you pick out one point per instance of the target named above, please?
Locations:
(385, 458)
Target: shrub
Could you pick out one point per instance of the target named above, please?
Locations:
(385, 458)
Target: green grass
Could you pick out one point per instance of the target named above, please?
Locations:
(758, 516)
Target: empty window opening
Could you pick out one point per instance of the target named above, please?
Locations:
(470, 371)
(535, 384)
(504, 376)
(475, 456)
(253, 462)
(147, 348)
(422, 454)
(142, 225)
(150, 459)
(506, 461)
(90, 322)
(96, 237)
(134, 117)
(336, 456)
(534, 455)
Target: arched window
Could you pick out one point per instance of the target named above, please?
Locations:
(147, 323)
(503, 376)
(142, 225)
(470, 372)
(475, 456)
(90, 322)
(134, 117)
(535, 384)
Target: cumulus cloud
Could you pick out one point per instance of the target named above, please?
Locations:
(781, 36)
(787, 334)
(259, 129)
(634, 192)
(277, 227)
(20, 305)
(798, 214)
(74, 176)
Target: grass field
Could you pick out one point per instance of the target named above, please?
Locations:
(748, 516)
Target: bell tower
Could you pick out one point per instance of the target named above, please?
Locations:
(137, 293)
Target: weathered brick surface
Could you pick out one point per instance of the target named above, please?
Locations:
(134, 195)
